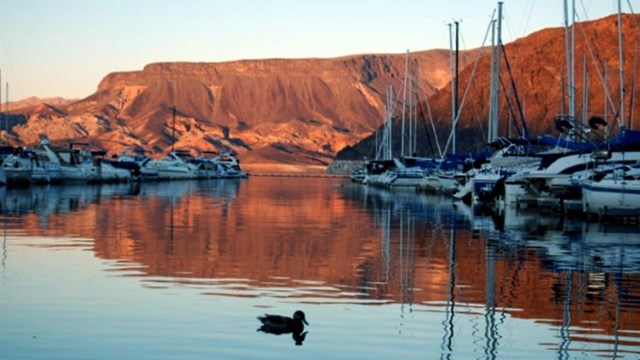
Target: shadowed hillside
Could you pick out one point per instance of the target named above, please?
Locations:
(538, 72)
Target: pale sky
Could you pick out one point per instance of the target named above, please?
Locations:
(65, 47)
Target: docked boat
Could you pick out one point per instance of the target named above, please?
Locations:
(171, 167)
(77, 165)
(224, 165)
(440, 182)
(376, 172)
(615, 194)
(136, 164)
(100, 169)
(230, 165)
(554, 177)
(18, 165)
(404, 175)
(47, 168)
(358, 175)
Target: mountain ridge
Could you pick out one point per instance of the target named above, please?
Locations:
(298, 111)
(538, 66)
(302, 112)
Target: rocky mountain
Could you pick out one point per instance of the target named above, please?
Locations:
(283, 114)
(536, 69)
(36, 101)
(273, 113)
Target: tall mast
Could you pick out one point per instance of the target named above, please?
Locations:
(455, 87)
(6, 115)
(621, 56)
(492, 84)
(390, 124)
(585, 88)
(572, 109)
(633, 88)
(411, 147)
(569, 55)
(173, 129)
(496, 110)
(1, 113)
(404, 102)
(606, 87)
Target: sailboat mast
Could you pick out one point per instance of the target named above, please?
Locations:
(1, 113)
(633, 87)
(173, 129)
(494, 87)
(492, 84)
(390, 125)
(572, 109)
(569, 55)
(411, 149)
(606, 85)
(404, 102)
(496, 106)
(386, 143)
(455, 86)
(6, 116)
(585, 88)
(621, 56)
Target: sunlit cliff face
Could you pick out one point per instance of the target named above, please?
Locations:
(536, 72)
(236, 239)
(290, 112)
(302, 112)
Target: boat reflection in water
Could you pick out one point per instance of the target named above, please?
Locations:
(380, 273)
(597, 267)
(581, 278)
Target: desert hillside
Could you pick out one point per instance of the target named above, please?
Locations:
(290, 113)
(536, 72)
(284, 112)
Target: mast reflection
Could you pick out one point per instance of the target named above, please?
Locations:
(323, 242)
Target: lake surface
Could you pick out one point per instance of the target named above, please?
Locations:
(181, 271)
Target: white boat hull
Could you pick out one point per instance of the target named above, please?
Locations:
(513, 193)
(611, 197)
(406, 178)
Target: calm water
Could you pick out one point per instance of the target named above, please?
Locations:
(181, 270)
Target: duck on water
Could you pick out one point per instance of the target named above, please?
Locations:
(278, 325)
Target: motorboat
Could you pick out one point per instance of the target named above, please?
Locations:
(18, 165)
(230, 165)
(171, 167)
(614, 194)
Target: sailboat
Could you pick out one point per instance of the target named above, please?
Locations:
(616, 193)
(377, 171)
(556, 180)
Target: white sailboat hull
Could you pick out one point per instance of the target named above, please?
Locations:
(611, 197)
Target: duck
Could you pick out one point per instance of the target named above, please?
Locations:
(278, 324)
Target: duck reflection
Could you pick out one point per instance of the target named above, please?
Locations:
(356, 245)
(278, 325)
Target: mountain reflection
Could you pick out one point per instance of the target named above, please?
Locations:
(326, 241)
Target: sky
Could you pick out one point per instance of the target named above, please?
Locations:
(51, 48)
